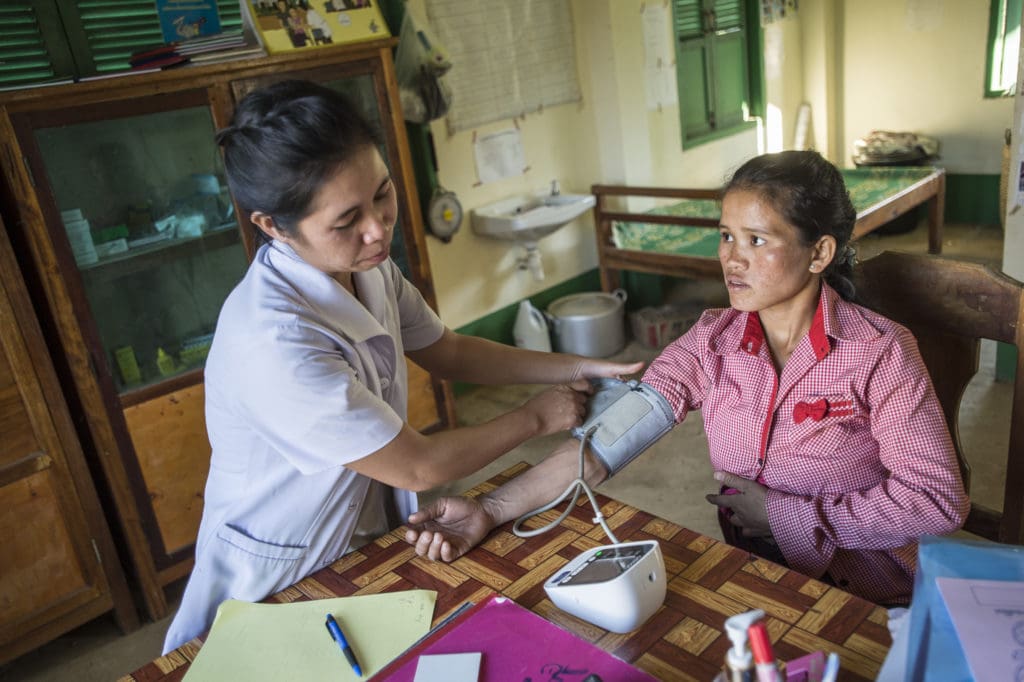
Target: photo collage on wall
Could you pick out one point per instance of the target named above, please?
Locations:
(775, 10)
(287, 25)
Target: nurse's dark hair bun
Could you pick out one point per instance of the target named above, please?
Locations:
(284, 141)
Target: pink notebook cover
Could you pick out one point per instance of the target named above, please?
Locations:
(516, 645)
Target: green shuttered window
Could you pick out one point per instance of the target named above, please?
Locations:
(713, 67)
(1003, 47)
(32, 44)
(47, 40)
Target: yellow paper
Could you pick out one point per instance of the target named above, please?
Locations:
(283, 642)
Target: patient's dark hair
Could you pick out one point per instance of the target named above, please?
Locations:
(809, 193)
(284, 141)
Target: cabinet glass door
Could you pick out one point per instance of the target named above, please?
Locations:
(144, 205)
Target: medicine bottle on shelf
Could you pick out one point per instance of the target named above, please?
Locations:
(165, 363)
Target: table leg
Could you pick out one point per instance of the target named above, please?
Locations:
(936, 210)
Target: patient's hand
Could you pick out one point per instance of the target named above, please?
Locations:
(449, 527)
(746, 503)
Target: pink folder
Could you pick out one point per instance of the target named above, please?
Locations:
(516, 645)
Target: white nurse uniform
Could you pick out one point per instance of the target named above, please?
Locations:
(302, 378)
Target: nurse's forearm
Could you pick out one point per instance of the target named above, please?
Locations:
(414, 461)
(470, 359)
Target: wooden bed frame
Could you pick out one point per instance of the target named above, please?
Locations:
(612, 260)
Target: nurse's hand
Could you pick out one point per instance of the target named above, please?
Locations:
(588, 368)
(448, 528)
(747, 502)
(559, 408)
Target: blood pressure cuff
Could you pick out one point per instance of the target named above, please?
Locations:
(626, 418)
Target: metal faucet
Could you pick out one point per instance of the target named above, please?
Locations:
(555, 191)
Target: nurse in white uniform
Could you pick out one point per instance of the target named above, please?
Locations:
(306, 385)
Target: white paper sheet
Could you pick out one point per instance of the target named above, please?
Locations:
(989, 619)
(659, 57)
(499, 155)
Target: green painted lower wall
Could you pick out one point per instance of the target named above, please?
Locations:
(642, 289)
(972, 199)
(1006, 362)
(497, 326)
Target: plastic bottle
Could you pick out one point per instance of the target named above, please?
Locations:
(530, 330)
(739, 662)
(164, 362)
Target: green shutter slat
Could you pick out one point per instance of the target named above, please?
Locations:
(28, 64)
(728, 14)
(24, 57)
(29, 32)
(34, 51)
(11, 43)
(687, 19)
(17, 23)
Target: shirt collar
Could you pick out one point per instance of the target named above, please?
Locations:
(834, 318)
(335, 306)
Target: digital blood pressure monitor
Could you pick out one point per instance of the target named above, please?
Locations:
(616, 587)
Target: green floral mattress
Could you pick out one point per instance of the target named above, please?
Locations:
(867, 186)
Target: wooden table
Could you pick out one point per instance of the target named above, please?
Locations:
(707, 582)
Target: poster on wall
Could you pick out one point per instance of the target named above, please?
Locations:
(775, 10)
(289, 25)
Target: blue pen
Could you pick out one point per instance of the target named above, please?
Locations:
(338, 636)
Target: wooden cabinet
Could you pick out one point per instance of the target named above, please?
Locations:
(58, 567)
(131, 163)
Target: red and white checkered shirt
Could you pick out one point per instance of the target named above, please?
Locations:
(850, 440)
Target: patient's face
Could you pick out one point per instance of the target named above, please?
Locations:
(765, 263)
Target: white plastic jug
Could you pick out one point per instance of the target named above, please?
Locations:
(531, 329)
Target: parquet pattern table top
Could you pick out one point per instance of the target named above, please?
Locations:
(708, 581)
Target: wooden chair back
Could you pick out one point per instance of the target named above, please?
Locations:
(950, 306)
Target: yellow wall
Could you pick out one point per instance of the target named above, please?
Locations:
(609, 137)
(919, 65)
(783, 80)
(820, 73)
(912, 65)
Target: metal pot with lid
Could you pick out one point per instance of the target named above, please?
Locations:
(590, 324)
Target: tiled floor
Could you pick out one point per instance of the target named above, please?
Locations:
(670, 480)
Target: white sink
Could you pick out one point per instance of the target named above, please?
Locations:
(528, 217)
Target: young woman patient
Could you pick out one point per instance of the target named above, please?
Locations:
(306, 383)
(822, 423)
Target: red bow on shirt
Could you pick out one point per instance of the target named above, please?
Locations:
(815, 410)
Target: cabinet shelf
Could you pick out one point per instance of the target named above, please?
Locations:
(144, 258)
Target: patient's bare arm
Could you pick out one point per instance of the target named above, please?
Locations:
(451, 526)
